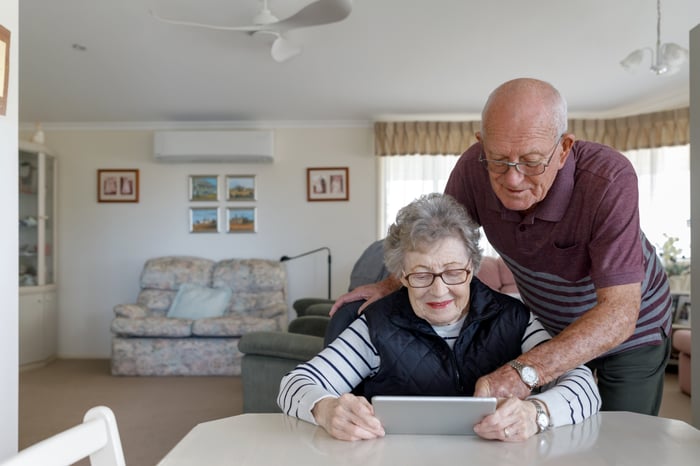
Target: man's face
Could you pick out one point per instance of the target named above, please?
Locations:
(521, 191)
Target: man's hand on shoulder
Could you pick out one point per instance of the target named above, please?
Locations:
(370, 293)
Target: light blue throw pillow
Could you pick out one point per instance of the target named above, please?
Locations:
(199, 302)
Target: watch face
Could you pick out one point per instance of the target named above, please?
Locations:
(542, 421)
(529, 375)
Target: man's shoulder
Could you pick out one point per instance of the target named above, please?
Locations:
(600, 159)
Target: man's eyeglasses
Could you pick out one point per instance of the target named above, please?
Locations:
(526, 168)
(449, 277)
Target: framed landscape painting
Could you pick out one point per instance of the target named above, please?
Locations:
(241, 220)
(240, 188)
(204, 220)
(204, 188)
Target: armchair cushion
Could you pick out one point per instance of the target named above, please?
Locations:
(197, 302)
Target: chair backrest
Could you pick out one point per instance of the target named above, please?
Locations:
(97, 437)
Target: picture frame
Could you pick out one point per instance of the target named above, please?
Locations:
(241, 220)
(118, 185)
(204, 188)
(327, 184)
(4, 68)
(240, 188)
(204, 219)
(682, 312)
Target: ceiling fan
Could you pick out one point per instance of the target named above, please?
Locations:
(267, 25)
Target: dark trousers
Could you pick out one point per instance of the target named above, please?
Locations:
(633, 380)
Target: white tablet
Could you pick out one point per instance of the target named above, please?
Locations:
(431, 415)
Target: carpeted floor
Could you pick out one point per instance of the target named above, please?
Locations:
(154, 413)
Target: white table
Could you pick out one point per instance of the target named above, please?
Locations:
(610, 438)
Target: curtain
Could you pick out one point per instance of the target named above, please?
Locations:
(649, 130)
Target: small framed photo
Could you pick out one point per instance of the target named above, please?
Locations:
(204, 188)
(682, 314)
(240, 188)
(118, 185)
(241, 220)
(204, 220)
(327, 184)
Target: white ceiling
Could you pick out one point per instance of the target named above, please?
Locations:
(388, 59)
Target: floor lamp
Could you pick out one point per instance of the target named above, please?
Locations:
(288, 258)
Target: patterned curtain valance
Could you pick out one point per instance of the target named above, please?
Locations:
(649, 130)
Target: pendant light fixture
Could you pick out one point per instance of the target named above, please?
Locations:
(665, 58)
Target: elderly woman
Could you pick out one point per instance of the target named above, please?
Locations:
(435, 336)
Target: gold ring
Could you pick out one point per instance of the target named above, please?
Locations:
(505, 432)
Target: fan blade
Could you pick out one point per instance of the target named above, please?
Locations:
(207, 26)
(283, 50)
(315, 14)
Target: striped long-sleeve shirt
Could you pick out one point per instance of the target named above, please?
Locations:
(352, 357)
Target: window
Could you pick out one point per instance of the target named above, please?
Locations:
(664, 194)
(664, 189)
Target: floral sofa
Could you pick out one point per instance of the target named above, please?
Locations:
(191, 312)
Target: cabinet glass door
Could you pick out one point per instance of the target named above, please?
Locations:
(48, 219)
(28, 218)
(36, 218)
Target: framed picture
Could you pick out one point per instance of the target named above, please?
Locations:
(204, 188)
(118, 185)
(327, 184)
(4, 68)
(240, 188)
(682, 314)
(204, 220)
(241, 220)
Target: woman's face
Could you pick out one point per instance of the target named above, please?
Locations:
(439, 304)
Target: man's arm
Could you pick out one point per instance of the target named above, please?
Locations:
(602, 328)
(370, 293)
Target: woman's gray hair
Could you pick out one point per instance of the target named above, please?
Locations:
(428, 219)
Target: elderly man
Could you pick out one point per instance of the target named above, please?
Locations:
(564, 216)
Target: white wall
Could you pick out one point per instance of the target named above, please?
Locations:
(8, 244)
(102, 247)
(695, 212)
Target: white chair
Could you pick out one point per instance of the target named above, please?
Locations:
(97, 437)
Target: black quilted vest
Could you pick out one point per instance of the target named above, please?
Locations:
(416, 361)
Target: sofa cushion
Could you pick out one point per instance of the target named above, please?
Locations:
(260, 304)
(152, 327)
(198, 302)
(169, 272)
(249, 275)
(231, 326)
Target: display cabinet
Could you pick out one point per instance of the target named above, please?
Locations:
(37, 258)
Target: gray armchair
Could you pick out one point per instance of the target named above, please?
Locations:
(268, 356)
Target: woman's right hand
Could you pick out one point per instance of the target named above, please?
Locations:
(348, 417)
(370, 293)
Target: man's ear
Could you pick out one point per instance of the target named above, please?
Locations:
(567, 142)
(477, 135)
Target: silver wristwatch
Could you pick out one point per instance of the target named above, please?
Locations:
(541, 418)
(528, 374)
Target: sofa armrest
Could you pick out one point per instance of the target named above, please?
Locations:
(309, 325)
(281, 345)
(312, 306)
(131, 311)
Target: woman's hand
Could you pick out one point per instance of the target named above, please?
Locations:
(348, 417)
(513, 421)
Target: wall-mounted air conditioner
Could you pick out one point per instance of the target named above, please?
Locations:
(213, 146)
